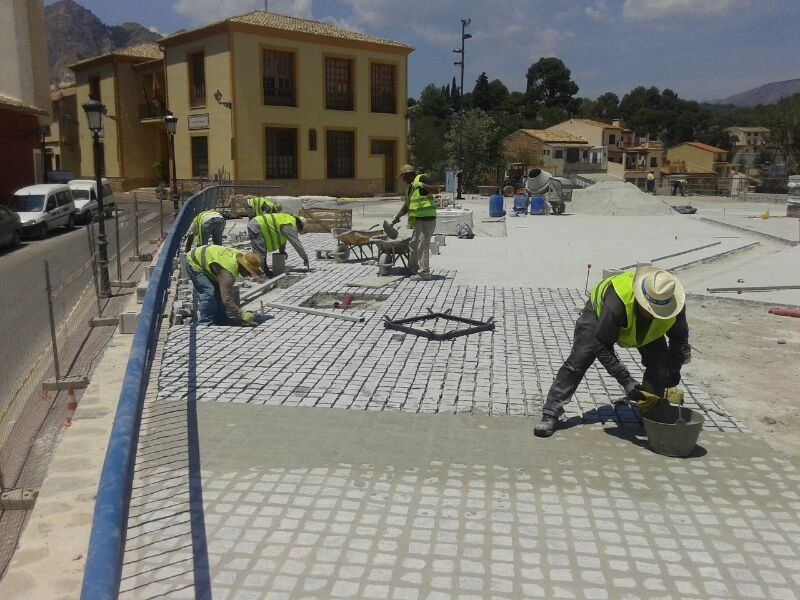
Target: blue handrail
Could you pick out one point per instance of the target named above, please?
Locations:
(103, 570)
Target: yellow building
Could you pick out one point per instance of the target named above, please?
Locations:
(134, 140)
(63, 151)
(700, 158)
(313, 108)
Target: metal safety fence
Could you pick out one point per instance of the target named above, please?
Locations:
(107, 542)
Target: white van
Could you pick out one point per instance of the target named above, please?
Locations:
(84, 191)
(43, 207)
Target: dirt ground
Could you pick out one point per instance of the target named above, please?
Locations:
(750, 360)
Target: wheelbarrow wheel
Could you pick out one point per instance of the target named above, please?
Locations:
(385, 264)
(342, 253)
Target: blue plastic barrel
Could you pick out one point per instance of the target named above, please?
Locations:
(520, 204)
(537, 205)
(496, 206)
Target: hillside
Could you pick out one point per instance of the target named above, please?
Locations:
(75, 33)
(769, 93)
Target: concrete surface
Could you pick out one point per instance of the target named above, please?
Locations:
(342, 504)
(51, 555)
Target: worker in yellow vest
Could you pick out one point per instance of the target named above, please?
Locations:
(420, 205)
(269, 233)
(206, 228)
(213, 270)
(634, 310)
(261, 205)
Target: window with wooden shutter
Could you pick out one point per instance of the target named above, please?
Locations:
(338, 83)
(278, 79)
(341, 147)
(382, 88)
(281, 151)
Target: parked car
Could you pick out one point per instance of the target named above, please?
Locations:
(60, 176)
(793, 185)
(43, 207)
(10, 228)
(86, 189)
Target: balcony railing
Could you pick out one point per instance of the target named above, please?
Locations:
(152, 110)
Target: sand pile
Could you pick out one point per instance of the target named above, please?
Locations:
(613, 198)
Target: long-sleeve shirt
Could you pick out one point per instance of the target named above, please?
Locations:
(613, 318)
(225, 282)
(289, 232)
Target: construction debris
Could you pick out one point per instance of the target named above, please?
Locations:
(611, 198)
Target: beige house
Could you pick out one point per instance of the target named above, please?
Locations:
(556, 151)
(749, 142)
(63, 152)
(700, 158)
(131, 147)
(261, 97)
(608, 140)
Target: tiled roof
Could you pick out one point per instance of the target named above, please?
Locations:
(594, 123)
(554, 135)
(274, 21)
(751, 129)
(145, 52)
(17, 106)
(705, 147)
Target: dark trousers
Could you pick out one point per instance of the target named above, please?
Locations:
(569, 376)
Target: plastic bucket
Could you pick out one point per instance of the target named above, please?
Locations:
(496, 206)
(520, 204)
(537, 205)
(671, 438)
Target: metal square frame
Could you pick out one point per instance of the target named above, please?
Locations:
(475, 326)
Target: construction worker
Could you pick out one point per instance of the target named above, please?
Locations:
(651, 182)
(213, 270)
(680, 184)
(260, 205)
(207, 228)
(420, 205)
(634, 310)
(270, 232)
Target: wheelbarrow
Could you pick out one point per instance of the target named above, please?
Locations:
(360, 243)
(389, 251)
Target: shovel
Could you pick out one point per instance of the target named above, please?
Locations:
(389, 230)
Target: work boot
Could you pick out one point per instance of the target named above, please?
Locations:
(546, 427)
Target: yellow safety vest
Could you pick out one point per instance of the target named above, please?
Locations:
(262, 206)
(421, 202)
(198, 221)
(270, 225)
(623, 286)
(202, 257)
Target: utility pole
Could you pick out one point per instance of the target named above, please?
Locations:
(460, 63)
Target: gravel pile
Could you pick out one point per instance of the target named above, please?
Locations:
(613, 198)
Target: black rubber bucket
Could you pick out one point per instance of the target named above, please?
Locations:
(670, 436)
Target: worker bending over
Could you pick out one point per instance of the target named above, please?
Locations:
(207, 228)
(270, 232)
(213, 270)
(634, 310)
(420, 205)
(260, 205)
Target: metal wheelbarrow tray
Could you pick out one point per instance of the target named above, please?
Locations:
(359, 242)
(391, 250)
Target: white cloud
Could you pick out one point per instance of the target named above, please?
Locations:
(202, 12)
(598, 11)
(154, 30)
(643, 10)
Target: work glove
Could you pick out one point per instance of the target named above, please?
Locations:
(249, 319)
(283, 253)
(633, 391)
(396, 220)
(648, 402)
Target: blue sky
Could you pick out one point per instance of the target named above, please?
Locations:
(702, 49)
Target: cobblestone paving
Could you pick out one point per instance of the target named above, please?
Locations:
(476, 531)
(302, 360)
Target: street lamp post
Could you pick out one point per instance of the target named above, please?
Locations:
(460, 63)
(171, 122)
(94, 115)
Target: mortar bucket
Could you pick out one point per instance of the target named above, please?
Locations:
(669, 437)
(389, 230)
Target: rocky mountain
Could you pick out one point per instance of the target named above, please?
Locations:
(75, 33)
(769, 93)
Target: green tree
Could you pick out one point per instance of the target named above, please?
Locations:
(482, 146)
(433, 103)
(481, 94)
(549, 82)
(498, 93)
(607, 106)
